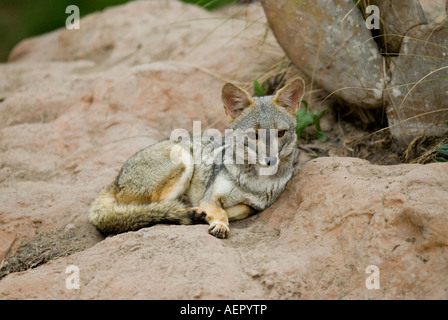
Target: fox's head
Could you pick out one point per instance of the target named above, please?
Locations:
(267, 122)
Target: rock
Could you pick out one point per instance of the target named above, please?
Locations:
(337, 217)
(434, 9)
(329, 42)
(416, 98)
(8, 239)
(146, 32)
(397, 18)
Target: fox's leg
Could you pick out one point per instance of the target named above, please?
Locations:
(238, 212)
(216, 218)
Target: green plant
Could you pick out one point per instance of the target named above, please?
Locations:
(442, 154)
(307, 117)
(258, 89)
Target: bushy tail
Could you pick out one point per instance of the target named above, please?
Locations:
(111, 217)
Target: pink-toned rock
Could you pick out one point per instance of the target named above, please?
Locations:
(337, 217)
(145, 32)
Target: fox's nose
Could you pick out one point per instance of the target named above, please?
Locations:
(271, 161)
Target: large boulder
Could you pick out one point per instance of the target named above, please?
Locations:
(396, 19)
(337, 217)
(416, 97)
(328, 41)
(434, 10)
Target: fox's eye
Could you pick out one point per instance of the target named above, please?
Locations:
(281, 133)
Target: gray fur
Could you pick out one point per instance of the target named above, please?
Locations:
(151, 188)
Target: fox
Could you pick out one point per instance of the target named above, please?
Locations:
(163, 184)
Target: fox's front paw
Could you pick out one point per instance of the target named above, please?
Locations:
(219, 230)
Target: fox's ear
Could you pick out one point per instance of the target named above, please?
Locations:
(235, 99)
(290, 95)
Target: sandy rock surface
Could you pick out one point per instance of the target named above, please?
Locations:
(76, 104)
(337, 217)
